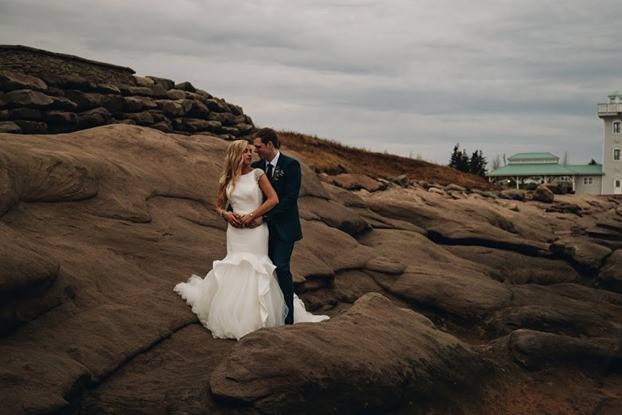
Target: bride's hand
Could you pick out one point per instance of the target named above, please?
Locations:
(247, 219)
(233, 219)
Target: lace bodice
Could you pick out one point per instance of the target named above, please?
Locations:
(247, 195)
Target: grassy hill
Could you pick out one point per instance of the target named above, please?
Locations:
(328, 156)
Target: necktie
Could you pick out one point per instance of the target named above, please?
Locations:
(269, 171)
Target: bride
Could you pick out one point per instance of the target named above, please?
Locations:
(241, 293)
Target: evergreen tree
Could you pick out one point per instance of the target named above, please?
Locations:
(455, 156)
(474, 163)
(463, 161)
(477, 164)
(460, 160)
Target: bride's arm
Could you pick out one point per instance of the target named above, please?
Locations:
(271, 201)
(228, 216)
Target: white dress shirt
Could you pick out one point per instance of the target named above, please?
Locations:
(273, 162)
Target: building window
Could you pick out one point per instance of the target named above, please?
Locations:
(616, 126)
(616, 154)
(617, 183)
(587, 180)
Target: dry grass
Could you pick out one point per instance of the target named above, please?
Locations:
(331, 157)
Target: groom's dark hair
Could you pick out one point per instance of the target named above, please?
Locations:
(268, 135)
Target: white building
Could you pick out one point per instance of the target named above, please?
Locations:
(603, 179)
(545, 168)
(611, 114)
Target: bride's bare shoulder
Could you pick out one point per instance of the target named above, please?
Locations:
(258, 173)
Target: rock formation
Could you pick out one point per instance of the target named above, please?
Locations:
(443, 298)
(45, 92)
(467, 291)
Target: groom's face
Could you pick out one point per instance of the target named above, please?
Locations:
(263, 150)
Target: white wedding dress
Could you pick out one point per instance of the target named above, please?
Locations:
(241, 292)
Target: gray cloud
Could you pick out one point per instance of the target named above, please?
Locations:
(409, 77)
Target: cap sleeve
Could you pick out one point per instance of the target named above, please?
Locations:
(258, 174)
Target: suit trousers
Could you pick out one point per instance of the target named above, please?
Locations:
(280, 253)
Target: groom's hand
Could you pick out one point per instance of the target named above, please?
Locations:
(255, 223)
(247, 220)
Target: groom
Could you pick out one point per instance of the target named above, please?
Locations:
(283, 221)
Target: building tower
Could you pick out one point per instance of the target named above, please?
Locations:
(611, 114)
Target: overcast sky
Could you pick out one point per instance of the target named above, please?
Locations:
(410, 77)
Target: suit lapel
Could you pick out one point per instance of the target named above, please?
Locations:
(280, 161)
(279, 165)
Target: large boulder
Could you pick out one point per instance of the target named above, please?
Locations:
(515, 268)
(325, 251)
(185, 86)
(543, 194)
(142, 91)
(333, 214)
(610, 275)
(199, 110)
(26, 98)
(176, 94)
(163, 82)
(107, 217)
(536, 350)
(144, 81)
(73, 81)
(136, 104)
(25, 276)
(9, 127)
(170, 108)
(140, 118)
(217, 105)
(62, 120)
(63, 104)
(513, 194)
(569, 309)
(464, 296)
(372, 358)
(93, 118)
(355, 182)
(197, 125)
(84, 100)
(11, 80)
(32, 127)
(581, 251)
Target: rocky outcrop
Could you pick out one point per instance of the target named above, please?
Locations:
(537, 350)
(444, 298)
(582, 251)
(402, 360)
(610, 275)
(82, 94)
(543, 194)
(355, 182)
(454, 301)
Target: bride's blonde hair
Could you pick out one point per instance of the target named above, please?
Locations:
(232, 169)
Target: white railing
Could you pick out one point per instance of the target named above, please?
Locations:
(609, 108)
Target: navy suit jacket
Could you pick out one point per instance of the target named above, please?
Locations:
(283, 220)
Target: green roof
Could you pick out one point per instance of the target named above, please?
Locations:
(548, 170)
(586, 169)
(533, 156)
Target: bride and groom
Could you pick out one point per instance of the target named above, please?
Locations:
(252, 286)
